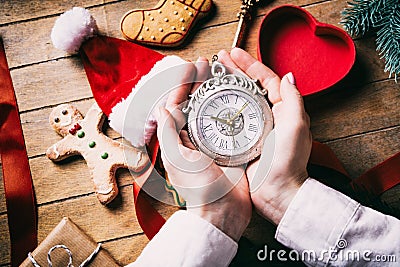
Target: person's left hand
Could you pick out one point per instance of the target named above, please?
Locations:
(217, 194)
(276, 177)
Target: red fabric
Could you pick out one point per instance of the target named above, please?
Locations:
(318, 54)
(148, 217)
(113, 67)
(322, 155)
(382, 177)
(375, 181)
(17, 179)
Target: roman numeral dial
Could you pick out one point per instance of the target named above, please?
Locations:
(229, 117)
(230, 122)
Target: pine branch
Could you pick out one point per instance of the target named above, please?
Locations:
(362, 16)
(388, 38)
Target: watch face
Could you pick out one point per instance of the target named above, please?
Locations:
(230, 125)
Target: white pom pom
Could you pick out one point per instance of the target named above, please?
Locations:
(72, 28)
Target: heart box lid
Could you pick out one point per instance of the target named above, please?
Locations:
(318, 54)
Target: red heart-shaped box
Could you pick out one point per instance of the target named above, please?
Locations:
(292, 40)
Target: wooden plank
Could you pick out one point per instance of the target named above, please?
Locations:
(362, 152)
(29, 42)
(50, 84)
(333, 108)
(39, 135)
(225, 12)
(18, 38)
(357, 154)
(40, 86)
(59, 181)
(126, 250)
(105, 223)
(100, 222)
(54, 87)
(350, 111)
(65, 180)
(391, 197)
(13, 11)
(5, 256)
(3, 207)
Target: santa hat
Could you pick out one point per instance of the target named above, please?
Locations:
(126, 79)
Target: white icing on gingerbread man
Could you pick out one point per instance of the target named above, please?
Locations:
(83, 136)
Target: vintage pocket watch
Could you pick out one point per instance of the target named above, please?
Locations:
(229, 117)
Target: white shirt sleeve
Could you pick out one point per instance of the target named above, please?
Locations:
(188, 240)
(327, 228)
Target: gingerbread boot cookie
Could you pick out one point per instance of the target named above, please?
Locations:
(168, 24)
(83, 136)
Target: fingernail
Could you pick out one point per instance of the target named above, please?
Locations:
(290, 78)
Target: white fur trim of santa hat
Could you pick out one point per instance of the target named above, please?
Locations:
(132, 117)
(72, 28)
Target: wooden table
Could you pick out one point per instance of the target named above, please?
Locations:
(360, 121)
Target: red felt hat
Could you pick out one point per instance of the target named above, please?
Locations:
(116, 70)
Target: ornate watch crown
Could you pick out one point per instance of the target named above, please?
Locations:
(220, 78)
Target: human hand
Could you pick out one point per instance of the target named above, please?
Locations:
(273, 187)
(217, 194)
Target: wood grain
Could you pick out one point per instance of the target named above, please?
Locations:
(362, 152)
(4, 240)
(351, 111)
(29, 42)
(64, 79)
(3, 207)
(70, 179)
(19, 10)
(64, 74)
(126, 250)
(101, 222)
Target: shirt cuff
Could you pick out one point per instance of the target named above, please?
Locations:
(188, 240)
(315, 221)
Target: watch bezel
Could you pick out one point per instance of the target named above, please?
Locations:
(231, 82)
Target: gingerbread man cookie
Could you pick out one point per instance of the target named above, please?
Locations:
(167, 24)
(83, 136)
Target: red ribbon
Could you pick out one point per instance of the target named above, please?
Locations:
(16, 172)
(148, 217)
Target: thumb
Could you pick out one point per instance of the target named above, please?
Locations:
(289, 92)
(167, 133)
(292, 101)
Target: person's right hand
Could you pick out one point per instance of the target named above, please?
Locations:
(217, 194)
(273, 187)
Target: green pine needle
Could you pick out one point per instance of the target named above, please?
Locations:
(381, 17)
(361, 16)
(388, 40)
